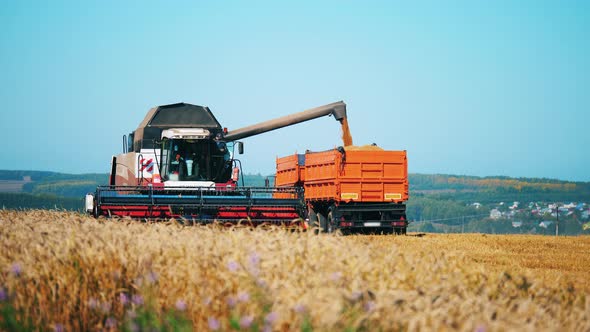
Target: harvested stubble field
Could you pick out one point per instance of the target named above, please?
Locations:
(66, 271)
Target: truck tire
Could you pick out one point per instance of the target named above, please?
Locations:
(323, 223)
(313, 220)
(389, 231)
(400, 231)
(330, 226)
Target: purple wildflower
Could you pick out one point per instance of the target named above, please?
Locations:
(299, 308)
(124, 299)
(271, 317)
(261, 283)
(58, 328)
(480, 328)
(232, 266)
(246, 321)
(92, 303)
(243, 297)
(105, 307)
(370, 306)
(214, 324)
(254, 259)
(16, 269)
(137, 299)
(3, 294)
(110, 323)
(152, 277)
(180, 305)
(267, 328)
(231, 301)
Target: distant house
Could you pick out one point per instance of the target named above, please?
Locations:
(495, 214)
(545, 223)
(516, 224)
(476, 205)
(569, 206)
(545, 211)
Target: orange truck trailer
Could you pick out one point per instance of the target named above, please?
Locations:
(354, 189)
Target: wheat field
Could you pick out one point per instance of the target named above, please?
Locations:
(68, 272)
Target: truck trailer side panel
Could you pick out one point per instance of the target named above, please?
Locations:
(356, 175)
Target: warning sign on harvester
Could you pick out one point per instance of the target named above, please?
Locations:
(146, 166)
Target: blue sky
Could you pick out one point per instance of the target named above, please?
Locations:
(466, 87)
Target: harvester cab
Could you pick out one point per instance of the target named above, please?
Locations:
(191, 157)
(178, 145)
(180, 162)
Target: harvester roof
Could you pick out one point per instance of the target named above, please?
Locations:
(180, 115)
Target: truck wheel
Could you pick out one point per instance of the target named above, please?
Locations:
(400, 231)
(313, 220)
(323, 223)
(330, 226)
(388, 231)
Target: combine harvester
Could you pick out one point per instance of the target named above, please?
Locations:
(181, 163)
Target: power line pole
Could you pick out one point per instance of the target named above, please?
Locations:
(557, 223)
(462, 224)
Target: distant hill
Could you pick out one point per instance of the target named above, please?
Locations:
(456, 187)
(52, 183)
(497, 188)
(463, 182)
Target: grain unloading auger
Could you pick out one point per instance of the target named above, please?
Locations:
(180, 162)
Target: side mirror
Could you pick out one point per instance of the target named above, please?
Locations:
(240, 147)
